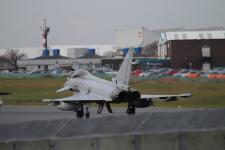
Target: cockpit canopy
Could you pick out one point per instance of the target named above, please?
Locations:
(79, 73)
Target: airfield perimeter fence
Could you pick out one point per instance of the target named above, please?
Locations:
(108, 77)
(28, 76)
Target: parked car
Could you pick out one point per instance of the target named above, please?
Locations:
(203, 74)
(220, 76)
(145, 74)
(137, 72)
(181, 73)
(212, 75)
(193, 74)
(35, 72)
(172, 71)
(5, 71)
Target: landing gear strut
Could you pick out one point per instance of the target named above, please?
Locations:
(81, 114)
(130, 109)
(87, 113)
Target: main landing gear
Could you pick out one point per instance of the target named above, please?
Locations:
(130, 109)
(81, 114)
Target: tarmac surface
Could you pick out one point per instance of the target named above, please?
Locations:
(18, 114)
(46, 128)
(44, 123)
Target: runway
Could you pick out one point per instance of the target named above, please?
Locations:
(18, 114)
(29, 127)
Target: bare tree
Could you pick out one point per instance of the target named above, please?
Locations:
(13, 55)
(151, 49)
(4, 62)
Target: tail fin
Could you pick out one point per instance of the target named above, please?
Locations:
(123, 76)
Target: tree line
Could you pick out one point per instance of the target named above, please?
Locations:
(10, 57)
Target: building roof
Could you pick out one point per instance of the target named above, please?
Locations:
(88, 56)
(51, 57)
(192, 35)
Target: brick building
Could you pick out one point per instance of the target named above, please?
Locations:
(193, 49)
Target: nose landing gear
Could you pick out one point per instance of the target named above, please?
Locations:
(87, 113)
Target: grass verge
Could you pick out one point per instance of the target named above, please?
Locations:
(207, 94)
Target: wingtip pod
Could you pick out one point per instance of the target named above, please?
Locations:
(185, 95)
(46, 100)
(63, 89)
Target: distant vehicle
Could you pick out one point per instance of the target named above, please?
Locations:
(145, 74)
(212, 75)
(56, 72)
(15, 72)
(107, 71)
(164, 71)
(193, 74)
(220, 76)
(172, 71)
(35, 72)
(203, 74)
(137, 72)
(89, 88)
(181, 73)
(5, 71)
(110, 72)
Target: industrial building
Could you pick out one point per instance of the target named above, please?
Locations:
(138, 37)
(134, 38)
(193, 49)
(198, 49)
(51, 58)
(45, 61)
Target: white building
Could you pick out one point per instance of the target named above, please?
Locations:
(138, 37)
(72, 51)
(76, 51)
(45, 62)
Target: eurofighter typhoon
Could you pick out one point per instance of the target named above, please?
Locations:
(88, 88)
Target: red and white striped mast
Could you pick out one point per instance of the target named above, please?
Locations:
(45, 30)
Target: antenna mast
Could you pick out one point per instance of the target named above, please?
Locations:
(45, 30)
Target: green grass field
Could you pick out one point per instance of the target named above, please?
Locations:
(206, 94)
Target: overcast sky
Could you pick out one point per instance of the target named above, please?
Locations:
(94, 21)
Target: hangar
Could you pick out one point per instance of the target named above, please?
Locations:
(193, 49)
(134, 38)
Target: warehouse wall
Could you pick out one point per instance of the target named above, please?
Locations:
(184, 52)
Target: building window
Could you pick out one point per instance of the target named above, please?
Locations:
(39, 66)
(201, 36)
(45, 67)
(168, 45)
(209, 36)
(184, 36)
(206, 51)
(176, 36)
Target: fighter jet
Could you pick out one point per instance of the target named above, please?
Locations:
(88, 88)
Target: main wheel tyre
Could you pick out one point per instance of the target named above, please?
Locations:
(131, 110)
(80, 113)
